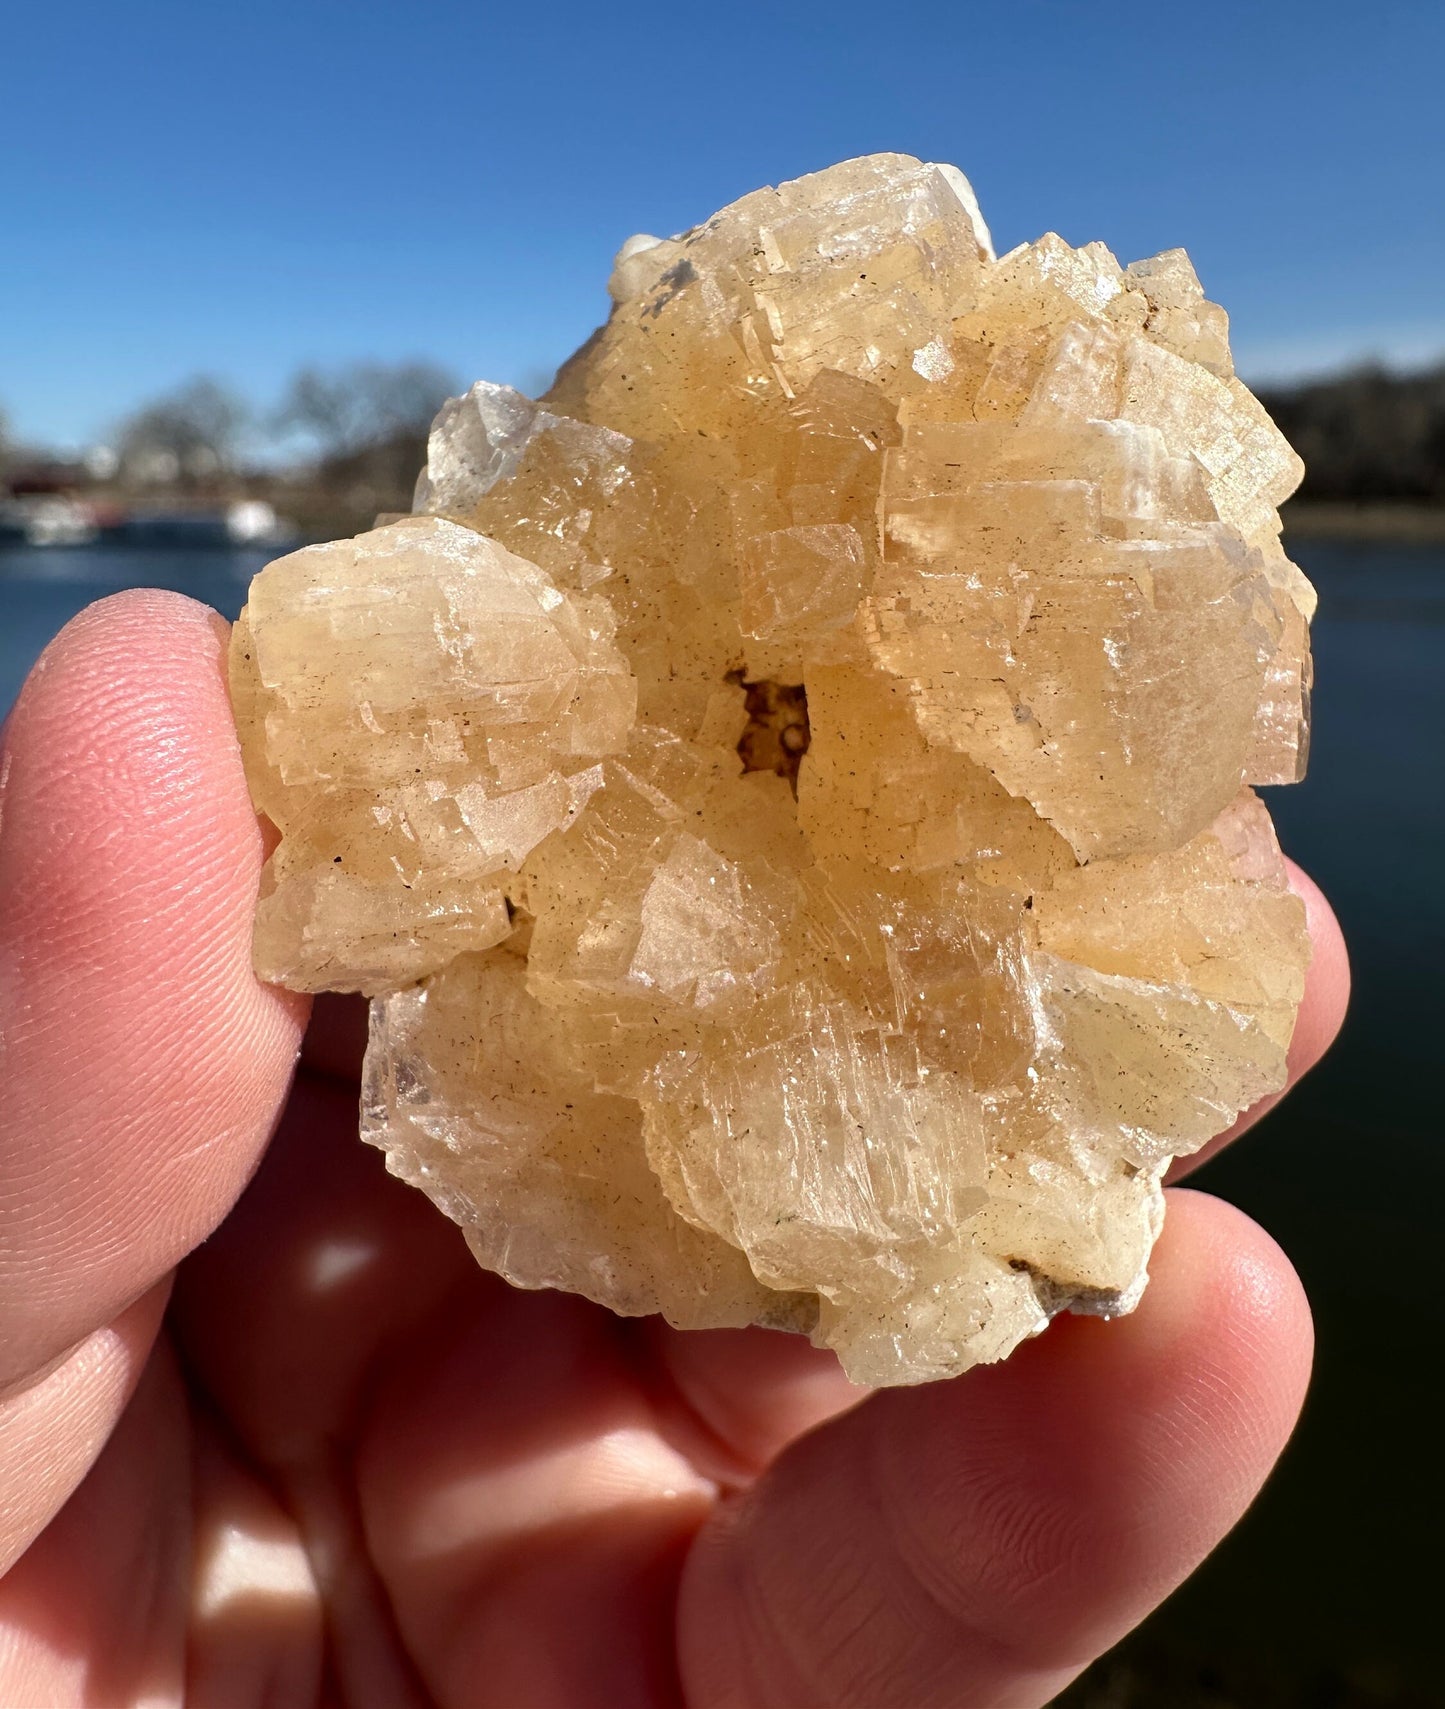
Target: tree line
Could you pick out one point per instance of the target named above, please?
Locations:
(1367, 435)
(326, 419)
(205, 430)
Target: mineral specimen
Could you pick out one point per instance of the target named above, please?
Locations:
(786, 792)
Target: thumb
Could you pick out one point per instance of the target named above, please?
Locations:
(142, 1062)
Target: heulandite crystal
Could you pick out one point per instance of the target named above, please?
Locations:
(786, 793)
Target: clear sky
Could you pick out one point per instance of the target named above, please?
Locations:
(237, 186)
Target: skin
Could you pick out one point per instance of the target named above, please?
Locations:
(283, 1444)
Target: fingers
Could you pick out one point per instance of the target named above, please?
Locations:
(143, 1063)
(323, 1267)
(1321, 1015)
(733, 1399)
(336, 1037)
(976, 1543)
(95, 1611)
(527, 1514)
(1327, 984)
(52, 1431)
(286, 1318)
(255, 1633)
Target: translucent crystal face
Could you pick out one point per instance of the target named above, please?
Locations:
(787, 791)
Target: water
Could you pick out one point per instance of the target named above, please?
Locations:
(1325, 1595)
(42, 586)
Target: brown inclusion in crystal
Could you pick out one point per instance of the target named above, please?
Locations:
(892, 1048)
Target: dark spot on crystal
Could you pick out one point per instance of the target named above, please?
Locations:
(775, 737)
(671, 282)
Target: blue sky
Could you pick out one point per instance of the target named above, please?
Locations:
(236, 189)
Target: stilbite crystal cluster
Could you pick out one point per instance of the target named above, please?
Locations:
(787, 791)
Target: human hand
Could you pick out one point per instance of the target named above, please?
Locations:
(347, 1467)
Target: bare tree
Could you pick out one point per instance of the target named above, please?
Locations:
(349, 410)
(192, 433)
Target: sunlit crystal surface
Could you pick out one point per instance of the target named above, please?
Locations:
(787, 793)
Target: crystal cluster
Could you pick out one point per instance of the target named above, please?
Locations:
(787, 792)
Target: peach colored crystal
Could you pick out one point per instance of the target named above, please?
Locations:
(787, 792)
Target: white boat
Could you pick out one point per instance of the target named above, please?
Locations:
(47, 519)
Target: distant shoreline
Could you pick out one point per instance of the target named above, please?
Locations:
(1316, 520)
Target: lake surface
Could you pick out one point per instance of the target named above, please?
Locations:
(41, 587)
(1326, 1596)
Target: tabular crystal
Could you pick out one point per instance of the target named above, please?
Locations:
(787, 792)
